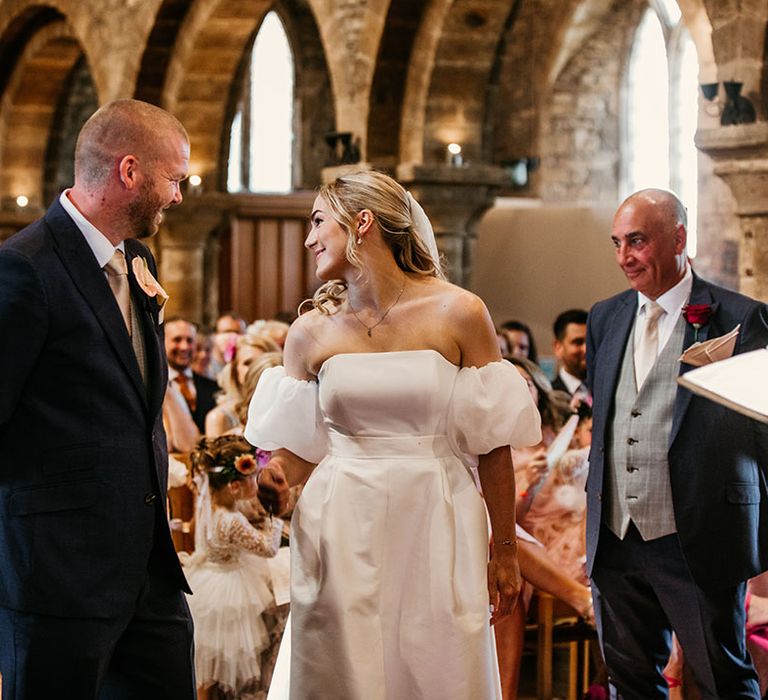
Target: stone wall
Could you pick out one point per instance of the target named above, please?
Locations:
(580, 138)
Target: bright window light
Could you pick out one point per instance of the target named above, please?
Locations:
(235, 172)
(685, 156)
(271, 109)
(268, 132)
(648, 108)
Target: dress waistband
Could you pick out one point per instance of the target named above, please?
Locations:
(389, 446)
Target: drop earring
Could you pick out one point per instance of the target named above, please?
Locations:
(359, 240)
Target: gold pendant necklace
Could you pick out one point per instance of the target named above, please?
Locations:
(368, 328)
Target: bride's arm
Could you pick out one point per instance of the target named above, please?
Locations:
(476, 337)
(286, 469)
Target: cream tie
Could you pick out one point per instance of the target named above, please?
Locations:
(117, 276)
(648, 347)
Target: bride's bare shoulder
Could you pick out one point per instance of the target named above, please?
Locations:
(458, 304)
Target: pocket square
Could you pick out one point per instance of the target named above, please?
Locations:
(712, 350)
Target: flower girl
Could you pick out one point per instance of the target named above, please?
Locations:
(228, 573)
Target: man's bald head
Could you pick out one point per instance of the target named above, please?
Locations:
(649, 235)
(664, 205)
(119, 128)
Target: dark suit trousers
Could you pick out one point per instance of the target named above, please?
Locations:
(145, 654)
(644, 591)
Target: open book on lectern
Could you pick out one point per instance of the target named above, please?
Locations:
(739, 382)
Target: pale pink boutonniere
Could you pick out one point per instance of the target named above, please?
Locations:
(149, 285)
(697, 315)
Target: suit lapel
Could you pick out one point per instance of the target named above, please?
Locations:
(612, 348)
(89, 278)
(156, 366)
(700, 294)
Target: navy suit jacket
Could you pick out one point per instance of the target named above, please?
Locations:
(718, 459)
(83, 460)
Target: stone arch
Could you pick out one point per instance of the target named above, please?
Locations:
(47, 52)
(159, 49)
(403, 24)
(464, 58)
(203, 71)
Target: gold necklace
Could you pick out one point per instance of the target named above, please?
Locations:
(389, 308)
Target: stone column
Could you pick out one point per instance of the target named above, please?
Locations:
(182, 254)
(454, 198)
(740, 155)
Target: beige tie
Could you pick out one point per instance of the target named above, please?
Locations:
(648, 347)
(117, 276)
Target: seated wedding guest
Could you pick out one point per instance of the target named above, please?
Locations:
(556, 515)
(201, 360)
(273, 329)
(503, 343)
(253, 374)
(223, 418)
(520, 340)
(228, 327)
(757, 627)
(570, 348)
(198, 391)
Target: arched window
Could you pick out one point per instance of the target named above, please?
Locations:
(661, 110)
(261, 134)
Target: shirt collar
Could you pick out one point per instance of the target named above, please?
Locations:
(96, 240)
(173, 373)
(571, 383)
(673, 300)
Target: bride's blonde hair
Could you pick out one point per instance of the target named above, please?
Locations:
(347, 196)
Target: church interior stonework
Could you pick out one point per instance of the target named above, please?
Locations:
(536, 95)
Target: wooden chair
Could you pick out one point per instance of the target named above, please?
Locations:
(558, 625)
(181, 511)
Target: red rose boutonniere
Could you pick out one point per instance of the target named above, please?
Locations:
(697, 315)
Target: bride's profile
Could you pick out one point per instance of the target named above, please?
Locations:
(394, 387)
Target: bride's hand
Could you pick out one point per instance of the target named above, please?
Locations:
(273, 488)
(504, 581)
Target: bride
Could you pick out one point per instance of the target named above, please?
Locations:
(392, 386)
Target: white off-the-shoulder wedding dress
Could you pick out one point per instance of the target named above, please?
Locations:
(389, 540)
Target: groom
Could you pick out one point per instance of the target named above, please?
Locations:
(677, 501)
(91, 601)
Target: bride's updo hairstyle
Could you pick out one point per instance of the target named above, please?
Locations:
(347, 196)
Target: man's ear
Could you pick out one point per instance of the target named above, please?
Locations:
(681, 239)
(127, 170)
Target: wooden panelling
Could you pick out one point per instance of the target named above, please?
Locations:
(269, 268)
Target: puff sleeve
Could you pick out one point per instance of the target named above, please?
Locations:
(491, 407)
(285, 413)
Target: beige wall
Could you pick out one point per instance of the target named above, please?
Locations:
(532, 262)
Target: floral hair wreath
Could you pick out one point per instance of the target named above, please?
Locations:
(220, 456)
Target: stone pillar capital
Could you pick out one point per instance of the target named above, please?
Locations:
(740, 155)
(454, 198)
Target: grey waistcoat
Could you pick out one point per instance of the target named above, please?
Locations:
(637, 472)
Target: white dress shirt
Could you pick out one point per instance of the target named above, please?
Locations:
(102, 249)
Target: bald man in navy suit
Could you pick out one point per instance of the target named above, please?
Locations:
(91, 591)
(677, 502)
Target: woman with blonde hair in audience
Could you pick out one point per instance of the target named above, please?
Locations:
(223, 418)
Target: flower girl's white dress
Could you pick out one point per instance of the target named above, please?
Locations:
(389, 540)
(230, 583)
